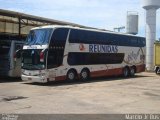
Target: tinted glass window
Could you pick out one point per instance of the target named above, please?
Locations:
(88, 37)
(76, 58)
(59, 37)
(92, 37)
(56, 47)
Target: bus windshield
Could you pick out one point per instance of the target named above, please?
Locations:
(39, 36)
(31, 59)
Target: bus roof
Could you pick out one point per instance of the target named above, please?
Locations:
(95, 30)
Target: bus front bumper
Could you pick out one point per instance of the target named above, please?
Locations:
(39, 79)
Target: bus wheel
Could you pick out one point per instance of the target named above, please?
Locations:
(132, 71)
(84, 75)
(126, 72)
(71, 75)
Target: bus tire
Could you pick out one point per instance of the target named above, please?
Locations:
(71, 75)
(85, 74)
(126, 72)
(132, 71)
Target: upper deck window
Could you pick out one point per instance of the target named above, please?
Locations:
(104, 38)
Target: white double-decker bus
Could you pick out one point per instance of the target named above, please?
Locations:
(68, 53)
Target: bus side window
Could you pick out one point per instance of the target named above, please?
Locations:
(56, 47)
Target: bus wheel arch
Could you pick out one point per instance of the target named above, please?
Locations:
(126, 71)
(133, 70)
(71, 74)
(85, 74)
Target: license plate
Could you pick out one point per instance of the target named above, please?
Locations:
(29, 78)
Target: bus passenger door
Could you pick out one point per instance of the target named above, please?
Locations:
(55, 59)
(51, 63)
(56, 51)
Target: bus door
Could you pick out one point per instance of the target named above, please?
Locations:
(56, 51)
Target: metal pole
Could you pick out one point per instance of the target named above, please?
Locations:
(19, 22)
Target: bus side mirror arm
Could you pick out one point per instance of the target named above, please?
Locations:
(18, 53)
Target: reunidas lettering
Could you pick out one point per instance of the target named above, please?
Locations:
(103, 48)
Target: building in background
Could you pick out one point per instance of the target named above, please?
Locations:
(16, 25)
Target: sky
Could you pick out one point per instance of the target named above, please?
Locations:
(105, 14)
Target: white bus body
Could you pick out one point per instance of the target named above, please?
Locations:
(9, 64)
(63, 52)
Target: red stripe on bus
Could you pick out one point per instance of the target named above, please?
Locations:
(140, 68)
(60, 78)
(109, 72)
